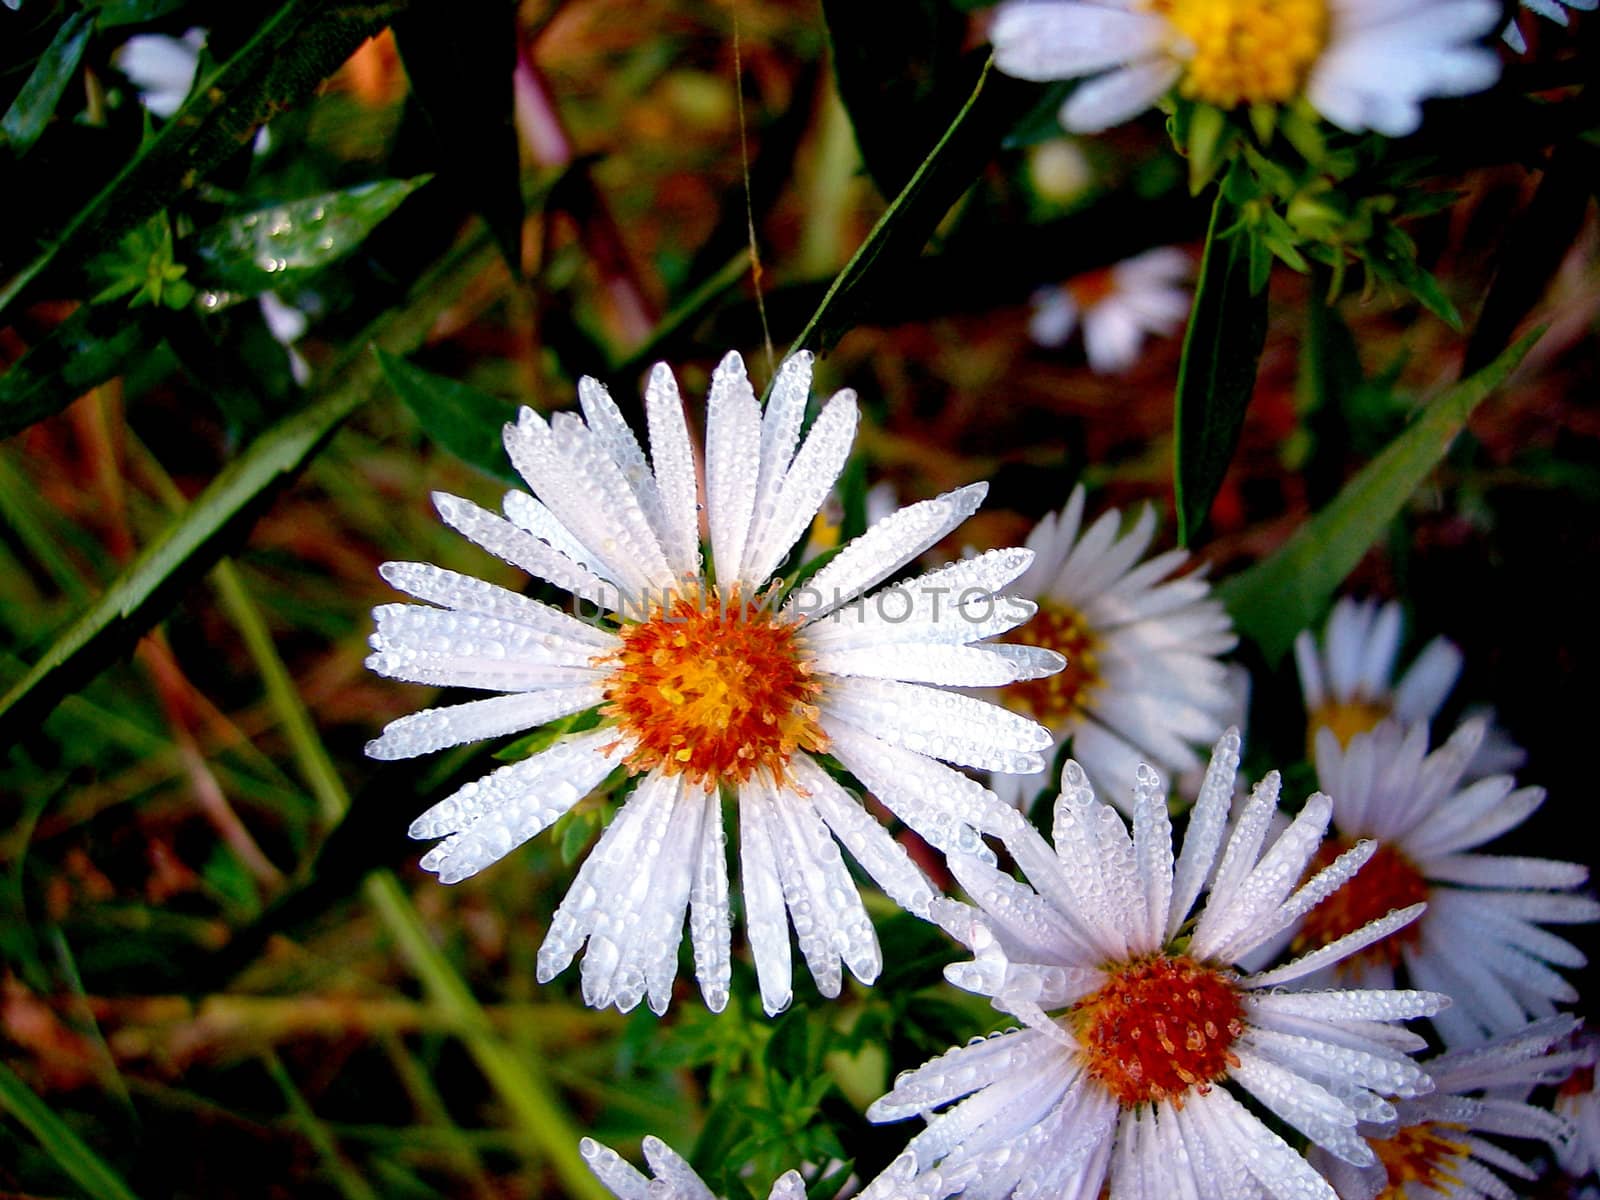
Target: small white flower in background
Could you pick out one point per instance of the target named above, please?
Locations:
(1363, 64)
(674, 1179)
(1480, 941)
(1551, 9)
(1117, 307)
(161, 67)
(704, 685)
(287, 326)
(1432, 1147)
(1142, 681)
(1348, 681)
(1139, 1028)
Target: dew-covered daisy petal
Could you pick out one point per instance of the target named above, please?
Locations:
(673, 459)
(733, 449)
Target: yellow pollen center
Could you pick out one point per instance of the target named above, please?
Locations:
(1420, 1154)
(1245, 51)
(1057, 700)
(1158, 1027)
(713, 690)
(1346, 718)
(1389, 880)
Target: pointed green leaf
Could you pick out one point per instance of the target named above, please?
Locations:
(1217, 374)
(463, 420)
(70, 1153)
(290, 53)
(282, 244)
(86, 349)
(200, 535)
(1283, 594)
(31, 111)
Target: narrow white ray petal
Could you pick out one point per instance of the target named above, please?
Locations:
(672, 455)
(948, 725)
(521, 549)
(464, 593)
(884, 549)
(1311, 1109)
(803, 489)
(526, 512)
(766, 919)
(1277, 1168)
(1374, 931)
(1387, 1072)
(733, 454)
(1239, 857)
(426, 630)
(959, 1071)
(1349, 1004)
(647, 939)
(868, 842)
(435, 728)
(1207, 821)
(957, 666)
(945, 807)
(710, 914)
(619, 1176)
(612, 432)
(1152, 846)
(679, 1178)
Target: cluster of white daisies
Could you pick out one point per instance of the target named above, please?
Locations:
(1216, 1018)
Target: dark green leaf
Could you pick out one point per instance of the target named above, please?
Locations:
(70, 1153)
(463, 420)
(290, 53)
(110, 13)
(281, 245)
(86, 349)
(1217, 374)
(187, 548)
(460, 59)
(899, 70)
(1283, 594)
(30, 112)
(993, 107)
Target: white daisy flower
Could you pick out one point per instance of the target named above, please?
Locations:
(1432, 1148)
(1117, 306)
(1388, 788)
(161, 67)
(674, 1179)
(1554, 10)
(1363, 64)
(710, 678)
(1578, 1102)
(1139, 1029)
(1142, 682)
(1349, 685)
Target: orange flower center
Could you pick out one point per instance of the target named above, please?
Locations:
(1158, 1027)
(1090, 288)
(1420, 1154)
(1389, 880)
(1346, 718)
(713, 690)
(1058, 699)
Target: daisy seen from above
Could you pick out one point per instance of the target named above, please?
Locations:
(1427, 827)
(709, 679)
(1118, 308)
(1143, 683)
(1140, 1031)
(1362, 64)
(1434, 1148)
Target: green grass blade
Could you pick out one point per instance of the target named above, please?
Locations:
(81, 1164)
(463, 420)
(31, 111)
(1283, 594)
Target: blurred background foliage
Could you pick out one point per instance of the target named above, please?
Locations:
(220, 971)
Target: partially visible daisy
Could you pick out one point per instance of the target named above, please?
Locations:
(1118, 307)
(1140, 1031)
(1142, 682)
(674, 1179)
(1551, 9)
(1432, 1147)
(1480, 941)
(709, 678)
(162, 68)
(1363, 64)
